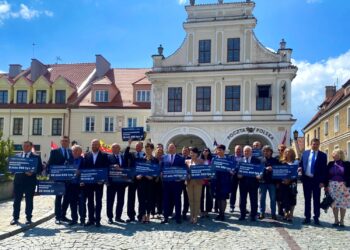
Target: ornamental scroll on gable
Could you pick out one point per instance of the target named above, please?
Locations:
(283, 95)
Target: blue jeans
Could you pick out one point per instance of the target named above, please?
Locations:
(272, 193)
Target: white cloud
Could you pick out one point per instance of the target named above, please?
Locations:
(308, 88)
(24, 12)
(182, 2)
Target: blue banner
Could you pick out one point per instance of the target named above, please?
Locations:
(257, 153)
(93, 175)
(174, 173)
(63, 172)
(147, 169)
(18, 164)
(282, 172)
(135, 133)
(121, 175)
(223, 165)
(250, 170)
(51, 188)
(201, 172)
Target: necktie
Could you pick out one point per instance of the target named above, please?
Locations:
(172, 159)
(65, 154)
(313, 160)
(117, 159)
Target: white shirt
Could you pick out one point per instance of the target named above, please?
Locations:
(94, 156)
(308, 167)
(25, 155)
(247, 160)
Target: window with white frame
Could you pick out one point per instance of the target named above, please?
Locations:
(348, 116)
(109, 124)
(37, 126)
(1, 123)
(143, 95)
(326, 128)
(132, 122)
(336, 123)
(101, 96)
(89, 124)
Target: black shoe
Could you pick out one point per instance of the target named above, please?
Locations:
(317, 222)
(306, 221)
(89, 223)
(65, 219)
(57, 222)
(119, 220)
(184, 217)
(241, 218)
(274, 217)
(72, 223)
(232, 210)
(178, 222)
(261, 216)
(110, 221)
(98, 224)
(130, 220)
(14, 222)
(165, 221)
(82, 224)
(28, 222)
(252, 219)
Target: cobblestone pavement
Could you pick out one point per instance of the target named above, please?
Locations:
(231, 234)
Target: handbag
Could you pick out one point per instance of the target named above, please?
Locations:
(327, 201)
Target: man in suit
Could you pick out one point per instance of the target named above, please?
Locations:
(186, 205)
(133, 157)
(237, 157)
(61, 156)
(313, 167)
(92, 160)
(24, 183)
(118, 161)
(248, 185)
(172, 189)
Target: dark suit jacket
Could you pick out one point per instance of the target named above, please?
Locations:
(113, 160)
(101, 160)
(178, 161)
(346, 165)
(23, 179)
(57, 157)
(253, 160)
(320, 174)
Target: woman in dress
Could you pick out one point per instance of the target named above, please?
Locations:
(338, 183)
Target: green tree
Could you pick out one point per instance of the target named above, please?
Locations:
(6, 150)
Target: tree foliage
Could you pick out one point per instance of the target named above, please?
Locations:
(6, 150)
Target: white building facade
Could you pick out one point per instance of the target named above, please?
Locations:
(222, 84)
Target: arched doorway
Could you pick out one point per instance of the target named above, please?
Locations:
(247, 139)
(187, 140)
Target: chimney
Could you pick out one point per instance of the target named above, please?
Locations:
(102, 66)
(37, 69)
(15, 70)
(330, 91)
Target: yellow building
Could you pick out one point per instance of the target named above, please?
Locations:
(331, 124)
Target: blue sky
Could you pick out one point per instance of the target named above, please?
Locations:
(127, 33)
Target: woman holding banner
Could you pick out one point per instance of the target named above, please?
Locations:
(288, 187)
(207, 195)
(158, 186)
(194, 186)
(145, 189)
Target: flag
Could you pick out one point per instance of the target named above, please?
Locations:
(215, 142)
(284, 139)
(53, 145)
(105, 148)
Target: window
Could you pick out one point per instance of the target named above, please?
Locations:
(263, 99)
(132, 122)
(348, 116)
(37, 126)
(17, 126)
(1, 124)
(308, 140)
(336, 123)
(109, 124)
(232, 98)
(148, 128)
(101, 96)
(3, 96)
(40, 96)
(21, 96)
(318, 133)
(143, 96)
(315, 133)
(89, 124)
(60, 97)
(56, 129)
(174, 99)
(326, 128)
(233, 49)
(203, 99)
(204, 51)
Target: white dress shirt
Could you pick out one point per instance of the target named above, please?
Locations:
(94, 156)
(308, 167)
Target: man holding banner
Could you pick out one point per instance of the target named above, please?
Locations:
(24, 184)
(60, 157)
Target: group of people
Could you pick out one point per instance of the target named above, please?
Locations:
(160, 198)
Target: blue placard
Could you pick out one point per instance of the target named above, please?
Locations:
(223, 165)
(147, 169)
(63, 172)
(250, 170)
(121, 175)
(18, 164)
(257, 153)
(282, 172)
(201, 172)
(174, 173)
(51, 188)
(93, 175)
(135, 133)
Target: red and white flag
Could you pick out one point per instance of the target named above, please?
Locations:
(53, 145)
